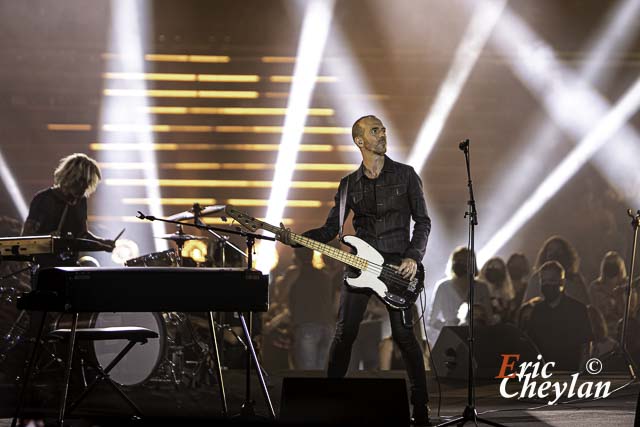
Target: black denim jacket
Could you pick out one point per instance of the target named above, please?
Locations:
(399, 198)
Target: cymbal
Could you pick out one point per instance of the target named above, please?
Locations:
(209, 210)
(179, 237)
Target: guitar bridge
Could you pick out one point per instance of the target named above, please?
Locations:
(395, 299)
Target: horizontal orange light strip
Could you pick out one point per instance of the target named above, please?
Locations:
(216, 183)
(68, 126)
(96, 146)
(237, 202)
(206, 220)
(322, 130)
(262, 202)
(257, 166)
(289, 79)
(156, 128)
(184, 77)
(187, 58)
(219, 221)
(161, 93)
(234, 111)
(318, 130)
(170, 201)
(279, 59)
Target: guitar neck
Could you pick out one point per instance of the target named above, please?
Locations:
(323, 248)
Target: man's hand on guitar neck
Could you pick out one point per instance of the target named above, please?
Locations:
(284, 235)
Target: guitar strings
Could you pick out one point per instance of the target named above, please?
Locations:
(380, 270)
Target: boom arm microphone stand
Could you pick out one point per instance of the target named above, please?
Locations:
(470, 413)
(247, 407)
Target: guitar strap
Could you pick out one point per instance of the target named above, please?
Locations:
(343, 205)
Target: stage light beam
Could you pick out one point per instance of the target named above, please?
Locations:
(603, 132)
(483, 21)
(12, 188)
(315, 30)
(570, 102)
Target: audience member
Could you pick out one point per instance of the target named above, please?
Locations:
(523, 315)
(450, 293)
(519, 271)
(312, 312)
(602, 342)
(276, 324)
(608, 291)
(494, 274)
(560, 325)
(558, 249)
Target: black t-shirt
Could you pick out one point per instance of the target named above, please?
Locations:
(560, 332)
(47, 208)
(46, 212)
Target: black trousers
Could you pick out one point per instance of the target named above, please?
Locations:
(353, 304)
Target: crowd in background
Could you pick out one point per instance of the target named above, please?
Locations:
(566, 317)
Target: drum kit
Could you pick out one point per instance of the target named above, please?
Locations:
(181, 355)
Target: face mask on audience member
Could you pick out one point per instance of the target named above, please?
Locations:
(517, 272)
(459, 268)
(495, 275)
(551, 292)
(610, 270)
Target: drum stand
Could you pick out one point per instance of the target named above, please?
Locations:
(247, 407)
(212, 332)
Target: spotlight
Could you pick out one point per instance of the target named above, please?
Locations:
(125, 250)
(196, 250)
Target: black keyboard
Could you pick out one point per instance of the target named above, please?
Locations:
(87, 289)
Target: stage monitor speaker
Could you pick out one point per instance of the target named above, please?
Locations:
(344, 401)
(451, 351)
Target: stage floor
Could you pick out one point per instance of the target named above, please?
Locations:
(168, 403)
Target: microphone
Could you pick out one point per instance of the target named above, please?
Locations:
(464, 145)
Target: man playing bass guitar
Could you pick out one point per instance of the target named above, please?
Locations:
(384, 196)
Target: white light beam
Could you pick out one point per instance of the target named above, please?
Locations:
(13, 189)
(483, 21)
(313, 37)
(602, 133)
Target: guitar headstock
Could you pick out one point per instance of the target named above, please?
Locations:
(244, 219)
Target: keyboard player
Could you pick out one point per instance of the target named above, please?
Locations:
(62, 209)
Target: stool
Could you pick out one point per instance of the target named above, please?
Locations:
(134, 334)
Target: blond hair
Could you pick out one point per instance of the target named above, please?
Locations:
(77, 169)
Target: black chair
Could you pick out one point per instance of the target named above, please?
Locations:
(133, 334)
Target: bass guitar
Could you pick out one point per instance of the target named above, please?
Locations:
(374, 271)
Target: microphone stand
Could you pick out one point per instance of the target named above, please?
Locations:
(622, 339)
(470, 413)
(247, 410)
